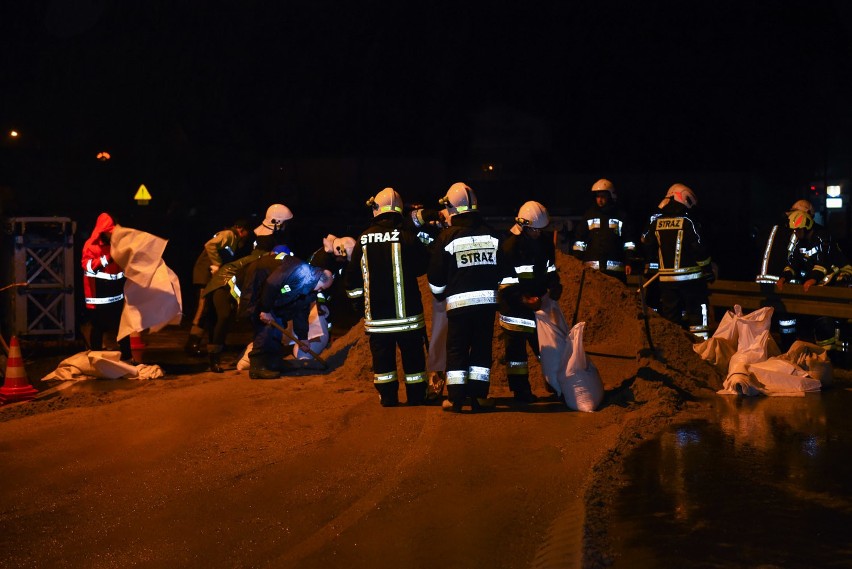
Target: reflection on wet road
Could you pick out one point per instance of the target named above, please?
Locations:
(768, 483)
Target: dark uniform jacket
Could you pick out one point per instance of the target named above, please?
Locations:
(673, 238)
(288, 293)
(464, 266)
(811, 257)
(531, 271)
(605, 238)
(383, 273)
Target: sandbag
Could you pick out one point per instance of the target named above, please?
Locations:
(552, 332)
(563, 359)
(581, 385)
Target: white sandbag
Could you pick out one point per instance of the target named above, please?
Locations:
(581, 385)
(318, 333)
(552, 332)
(779, 376)
(727, 328)
(717, 351)
(813, 359)
(751, 329)
(738, 380)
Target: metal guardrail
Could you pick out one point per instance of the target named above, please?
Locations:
(835, 302)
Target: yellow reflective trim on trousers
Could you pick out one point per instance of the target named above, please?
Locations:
(384, 377)
(418, 377)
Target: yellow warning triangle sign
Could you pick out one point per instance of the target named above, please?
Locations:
(142, 195)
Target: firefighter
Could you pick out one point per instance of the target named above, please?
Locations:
(780, 244)
(814, 259)
(532, 258)
(381, 280)
(428, 224)
(286, 295)
(221, 297)
(334, 255)
(673, 239)
(225, 246)
(464, 270)
(103, 286)
(604, 238)
(272, 230)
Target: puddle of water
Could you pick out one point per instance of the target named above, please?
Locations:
(768, 483)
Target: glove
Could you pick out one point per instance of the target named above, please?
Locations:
(555, 291)
(531, 302)
(266, 318)
(104, 260)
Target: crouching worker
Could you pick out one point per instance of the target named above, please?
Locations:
(286, 295)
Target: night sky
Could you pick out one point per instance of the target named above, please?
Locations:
(205, 98)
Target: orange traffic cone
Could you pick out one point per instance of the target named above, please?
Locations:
(16, 387)
(137, 347)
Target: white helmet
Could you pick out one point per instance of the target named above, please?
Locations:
(276, 215)
(343, 247)
(532, 214)
(680, 194)
(459, 199)
(803, 205)
(385, 201)
(604, 185)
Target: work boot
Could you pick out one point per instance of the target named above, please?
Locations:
(193, 345)
(452, 407)
(525, 396)
(261, 373)
(214, 362)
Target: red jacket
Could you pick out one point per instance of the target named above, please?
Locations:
(103, 279)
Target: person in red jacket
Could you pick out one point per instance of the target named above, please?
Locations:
(103, 286)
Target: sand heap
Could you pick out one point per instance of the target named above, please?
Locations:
(614, 334)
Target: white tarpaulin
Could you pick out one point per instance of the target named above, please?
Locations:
(563, 359)
(101, 364)
(152, 290)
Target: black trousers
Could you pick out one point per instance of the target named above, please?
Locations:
(219, 309)
(517, 361)
(683, 302)
(412, 351)
(107, 318)
(470, 334)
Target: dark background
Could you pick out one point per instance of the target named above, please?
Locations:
(222, 108)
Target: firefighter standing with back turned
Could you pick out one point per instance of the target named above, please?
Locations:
(673, 237)
(381, 279)
(464, 270)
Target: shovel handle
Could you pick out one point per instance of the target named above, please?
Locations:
(302, 344)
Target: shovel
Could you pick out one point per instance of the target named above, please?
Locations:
(302, 344)
(641, 291)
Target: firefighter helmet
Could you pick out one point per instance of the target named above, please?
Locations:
(276, 215)
(388, 200)
(604, 185)
(803, 205)
(800, 220)
(532, 214)
(680, 194)
(459, 199)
